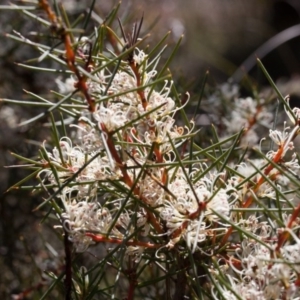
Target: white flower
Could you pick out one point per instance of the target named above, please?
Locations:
(218, 203)
(295, 115)
(89, 136)
(67, 86)
(69, 160)
(249, 114)
(283, 139)
(195, 233)
(173, 218)
(249, 138)
(113, 117)
(279, 137)
(83, 216)
(139, 56)
(292, 254)
(134, 252)
(152, 192)
(293, 164)
(229, 90)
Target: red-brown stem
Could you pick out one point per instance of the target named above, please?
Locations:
(132, 278)
(153, 220)
(178, 231)
(196, 214)
(69, 52)
(132, 285)
(164, 176)
(46, 7)
(233, 261)
(261, 180)
(285, 234)
(81, 84)
(226, 237)
(249, 200)
(111, 146)
(158, 154)
(25, 294)
(126, 178)
(192, 216)
(140, 92)
(99, 238)
(252, 121)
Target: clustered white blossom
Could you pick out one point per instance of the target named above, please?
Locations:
(262, 275)
(249, 114)
(212, 221)
(178, 206)
(191, 205)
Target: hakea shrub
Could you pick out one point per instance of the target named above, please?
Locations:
(178, 220)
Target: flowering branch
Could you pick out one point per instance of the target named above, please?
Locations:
(169, 216)
(62, 32)
(103, 239)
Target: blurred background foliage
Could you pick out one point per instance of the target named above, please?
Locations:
(218, 36)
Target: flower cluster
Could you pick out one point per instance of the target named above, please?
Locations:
(256, 272)
(249, 114)
(184, 202)
(128, 176)
(132, 139)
